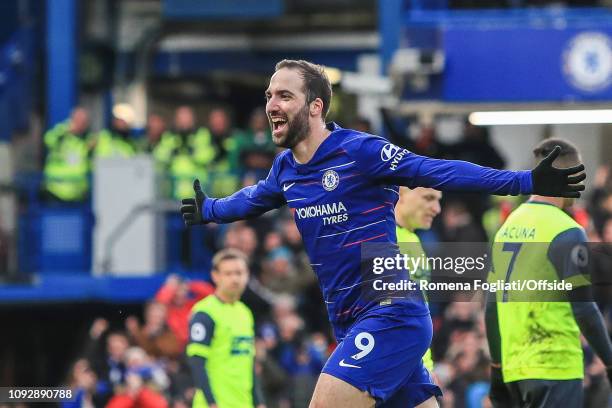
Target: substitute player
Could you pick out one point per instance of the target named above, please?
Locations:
(416, 209)
(535, 346)
(221, 346)
(342, 186)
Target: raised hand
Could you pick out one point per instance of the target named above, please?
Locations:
(192, 208)
(553, 182)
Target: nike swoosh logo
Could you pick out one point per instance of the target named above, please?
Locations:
(343, 364)
(287, 187)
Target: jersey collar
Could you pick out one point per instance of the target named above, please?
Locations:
(329, 144)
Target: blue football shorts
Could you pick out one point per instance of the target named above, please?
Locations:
(382, 354)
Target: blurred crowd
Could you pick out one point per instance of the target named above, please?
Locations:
(142, 363)
(220, 155)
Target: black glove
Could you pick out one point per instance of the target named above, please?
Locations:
(553, 182)
(192, 208)
(499, 394)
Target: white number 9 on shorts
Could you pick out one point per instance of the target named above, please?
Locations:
(365, 348)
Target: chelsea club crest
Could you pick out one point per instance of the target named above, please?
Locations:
(587, 61)
(330, 180)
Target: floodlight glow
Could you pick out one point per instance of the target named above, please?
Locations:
(550, 117)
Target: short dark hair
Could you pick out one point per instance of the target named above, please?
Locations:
(316, 82)
(225, 255)
(568, 157)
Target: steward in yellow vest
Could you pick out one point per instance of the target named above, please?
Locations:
(67, 164)
(185, 153)
(117, 141)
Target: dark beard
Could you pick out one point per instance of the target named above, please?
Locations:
(297, 129)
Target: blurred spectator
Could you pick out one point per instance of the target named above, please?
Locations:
(117, 141)
(185, 153)
(297, 353)
(255, 148)
(459, 224)
(361, 124)
(600, 199)
(82, 381)
(138, 362)
(66, 170)
(459, 317)
(156, 127)
(427, 144)
(227, 163)
(136, 394)
(155, 337)
(278, 273)
(274, 379)
(601, 262)
(600, 210)
(179, 297)
(242, 237)
(475, 146)
(293, 241)
(107, 363)
(462, 359)
(311, 306)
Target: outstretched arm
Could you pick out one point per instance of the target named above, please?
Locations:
(394, 165)
(246, 203)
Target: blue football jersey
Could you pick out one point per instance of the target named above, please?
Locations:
(345, 196)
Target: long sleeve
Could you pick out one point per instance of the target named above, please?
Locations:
(202, 331)
(249, 202)
(200, 378)
(388, 163)
(568, 253)
(257, 394)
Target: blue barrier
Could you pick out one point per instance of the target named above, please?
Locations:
(180, 240)
(56, 239)
(71, 288)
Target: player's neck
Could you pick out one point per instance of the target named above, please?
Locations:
(303, 151)
(225, 298)
(556, 201)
